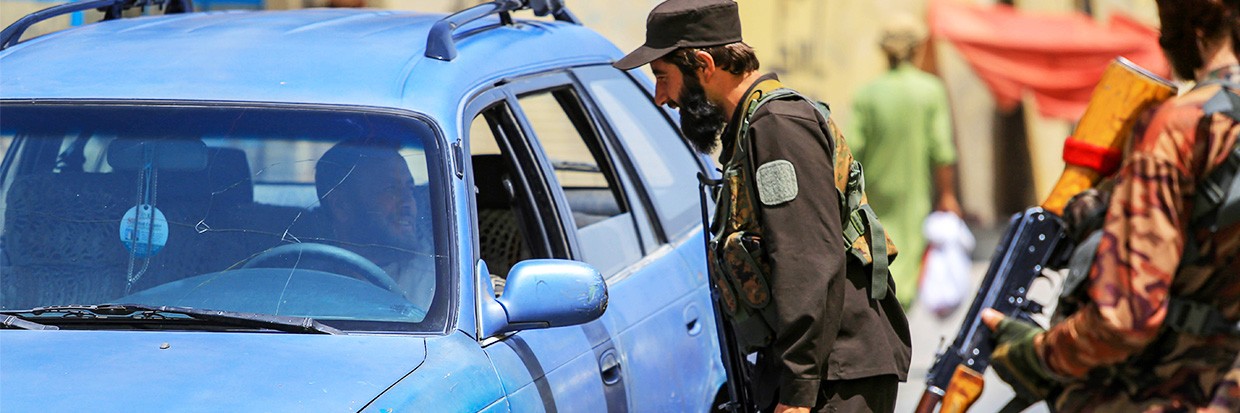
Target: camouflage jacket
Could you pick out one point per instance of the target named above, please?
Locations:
(1114, 350)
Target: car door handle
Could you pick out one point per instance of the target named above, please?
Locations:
(609, 366)
(693, 320)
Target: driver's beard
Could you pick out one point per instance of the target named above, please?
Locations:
(699, 118)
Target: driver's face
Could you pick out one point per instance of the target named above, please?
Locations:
(384, 199)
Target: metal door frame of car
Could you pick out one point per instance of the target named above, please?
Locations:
(660, 257)
(514, 351)
(697, 310)
(602, 336)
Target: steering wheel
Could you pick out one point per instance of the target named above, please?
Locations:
(278, 257)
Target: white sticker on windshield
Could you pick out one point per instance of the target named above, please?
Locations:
(144, 230)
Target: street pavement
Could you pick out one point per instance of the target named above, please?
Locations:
(931, 333)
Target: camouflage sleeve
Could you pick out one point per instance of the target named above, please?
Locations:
(1227, 392)
(803, 242)
(1136, 260)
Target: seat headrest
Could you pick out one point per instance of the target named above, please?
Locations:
(225, 180)
(229, 177)
(492, 177)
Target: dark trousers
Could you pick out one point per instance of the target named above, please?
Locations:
(869, 394)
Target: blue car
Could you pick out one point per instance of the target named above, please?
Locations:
(339, 210)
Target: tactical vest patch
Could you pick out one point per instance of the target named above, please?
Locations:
(777, 182)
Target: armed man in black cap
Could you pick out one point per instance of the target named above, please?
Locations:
(811, 296)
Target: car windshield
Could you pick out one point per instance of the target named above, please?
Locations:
(327, 214)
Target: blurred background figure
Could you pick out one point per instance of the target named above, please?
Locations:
(901, 132)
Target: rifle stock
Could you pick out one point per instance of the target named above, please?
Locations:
(1036, 238)
(1095, 147)
(929, 400)
(964, 390)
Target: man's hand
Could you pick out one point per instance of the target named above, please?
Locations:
(1015, 358)
(949, 203)
(945, 187)
(783, 408)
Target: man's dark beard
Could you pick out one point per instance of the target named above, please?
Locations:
(699, 118)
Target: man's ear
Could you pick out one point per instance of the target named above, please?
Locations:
(332, 206)
(707, 66)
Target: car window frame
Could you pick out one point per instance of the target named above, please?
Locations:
(701, 161)
(553, 241)
(622, 173)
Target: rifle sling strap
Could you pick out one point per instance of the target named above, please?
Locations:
(1197, 318)
(1217, 205)
(1218, 196)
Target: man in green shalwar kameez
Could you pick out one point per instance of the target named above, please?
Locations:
(902, 135)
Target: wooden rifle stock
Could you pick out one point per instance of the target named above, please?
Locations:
(964, 390)
(1096, 146)
(1093, 152)
(929, 400)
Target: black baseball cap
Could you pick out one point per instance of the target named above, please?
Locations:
(674, 24)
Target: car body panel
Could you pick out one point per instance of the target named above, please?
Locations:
(666, 330)
(549, 370)
(346, 57)
(120, 371)
(456, 376)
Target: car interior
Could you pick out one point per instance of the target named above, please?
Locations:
(61, 241)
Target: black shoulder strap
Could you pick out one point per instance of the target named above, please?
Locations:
(1218, 195)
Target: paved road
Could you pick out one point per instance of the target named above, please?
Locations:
(928, 330)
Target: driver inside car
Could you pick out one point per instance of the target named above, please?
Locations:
(368, 199)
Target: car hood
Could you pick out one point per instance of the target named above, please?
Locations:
(114, 371)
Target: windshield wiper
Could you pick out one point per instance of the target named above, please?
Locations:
(138, 311)
(9, 321)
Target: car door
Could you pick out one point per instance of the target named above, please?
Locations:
(555, 369)
(667, 298)
(659, 311)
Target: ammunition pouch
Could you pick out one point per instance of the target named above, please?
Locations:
(742, 285)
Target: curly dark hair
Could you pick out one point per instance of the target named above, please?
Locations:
(736, 58)
(1180, 19)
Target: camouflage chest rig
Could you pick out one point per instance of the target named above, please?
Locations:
(739, 266)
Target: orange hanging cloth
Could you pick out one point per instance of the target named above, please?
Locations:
(1059, 57)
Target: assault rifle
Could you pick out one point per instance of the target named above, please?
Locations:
(1036, 239)
(734, 364)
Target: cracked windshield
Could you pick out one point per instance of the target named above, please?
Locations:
(306, 213)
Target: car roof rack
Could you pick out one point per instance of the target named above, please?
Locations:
(112, 9)
(440, 43)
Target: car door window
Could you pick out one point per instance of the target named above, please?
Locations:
(507, 221)
(664, 160)
(606, 233)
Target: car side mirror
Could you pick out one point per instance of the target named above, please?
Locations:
(542, 293)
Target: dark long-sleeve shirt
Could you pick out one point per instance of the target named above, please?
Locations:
(826, 326)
